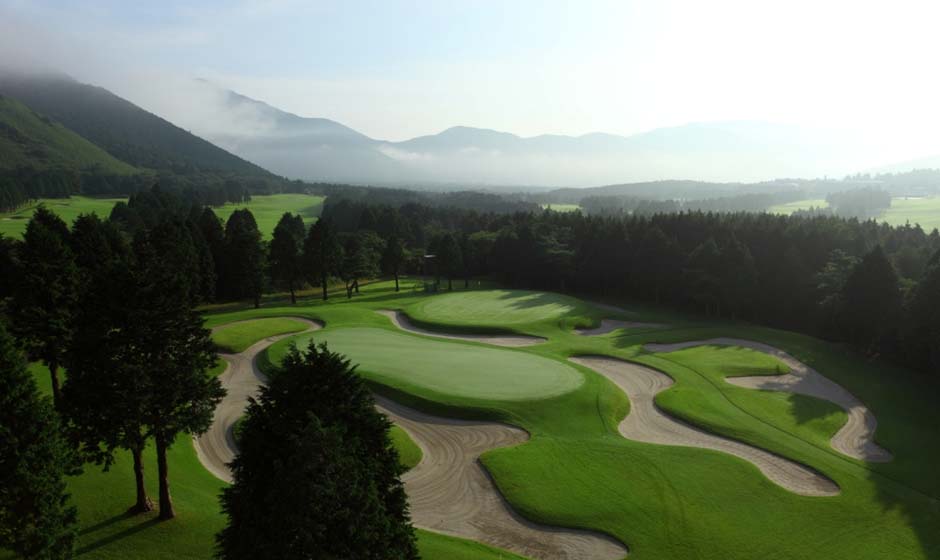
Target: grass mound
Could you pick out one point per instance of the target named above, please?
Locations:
(237, 337)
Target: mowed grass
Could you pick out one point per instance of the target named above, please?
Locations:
(467, 371)
(923, 211)
(503, 310)
(561, 207)
(13, 224)
(791, 207)
(409, 454)
(268, 209)
(237, 337)
(661, 501)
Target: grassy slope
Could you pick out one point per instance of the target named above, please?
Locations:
(13, 224)
(409, 454)
(30, 140)
(269, 209)
(923, 211)
(667, 502)
(239, 336)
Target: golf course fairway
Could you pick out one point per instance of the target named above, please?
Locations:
(573, 469)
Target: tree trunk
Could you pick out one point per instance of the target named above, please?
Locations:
(324, 287)
(348, 290)
(54, 373)
(450, 285)
(396, 281)
(293, 297)
(143, 501)
(257, 302)
(166, 505)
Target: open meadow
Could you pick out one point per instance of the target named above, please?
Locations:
(567, 431)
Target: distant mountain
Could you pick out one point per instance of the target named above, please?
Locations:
(123, 129)
(30, 141)
(929, 162)
(320, 149)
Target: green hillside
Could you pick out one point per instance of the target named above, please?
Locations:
(123, 129)
(30, 140)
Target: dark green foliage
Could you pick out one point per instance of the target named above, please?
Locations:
(214, 235)
(703, 273)
(361, 258)
(323, 254)
(393, 258)
(45, 292)
(871, 308)
(316, 476)
(243, 276)
(285, 253)
(36, 520)
(9, 264)
(923, 325)
(449, 257)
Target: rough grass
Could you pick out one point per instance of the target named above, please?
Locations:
(663, 502)
(268, 209)
(923, 211)
(13, 224)
(237, 337)
(409, 454)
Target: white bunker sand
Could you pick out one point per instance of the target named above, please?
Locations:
(611, 325)
(401, 321)
(449, 491)
(855, 439)
(647, 423)
(216, 448)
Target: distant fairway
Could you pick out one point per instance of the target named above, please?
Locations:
(923, 211)
(497, 308)
(13, 224)
(449, 368)
(269, 209)
(561, 207)
(791, 207)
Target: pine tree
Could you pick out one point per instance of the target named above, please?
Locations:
(871, 302)
(45, 292)
(244, 257)
(323, 255)
(316, 475)
(393, 257)
(36, 520)
(922, 337)
(286, 251)
(449, 258)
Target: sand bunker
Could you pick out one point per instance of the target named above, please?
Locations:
(450, 492)
(401, 321)
(647, 423)
(216, 448)
(610, 325)
(855, 439)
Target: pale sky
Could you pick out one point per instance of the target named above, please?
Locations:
(397, 69)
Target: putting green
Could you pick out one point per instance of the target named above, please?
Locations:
(237, 337)
(463, 370)
(496, 308)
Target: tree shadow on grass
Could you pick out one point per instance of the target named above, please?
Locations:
(144, 524)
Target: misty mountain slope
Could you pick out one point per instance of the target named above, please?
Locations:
(320, 149)
(30, 141)
(123, 129)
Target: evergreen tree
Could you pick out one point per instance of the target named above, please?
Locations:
(173, 350)
(923, 326)
(323, 255)
(9, 265)
(286, 251)
(704, 272)
(214, 234)
(316, 475)
(45, 293)
(393, 257)
(244, 257)
(871, 302)
(449, 258)
(36, 520)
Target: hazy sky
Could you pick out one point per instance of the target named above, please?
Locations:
(396, 69)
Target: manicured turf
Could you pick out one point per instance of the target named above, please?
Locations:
(409, 454)
(561, 207)
(577, 471)
(791, 207)
(267, 210)
(13, 224)
(239, 336)
(468, 371)
(923, 211)
(496, 310)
